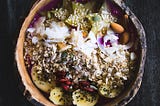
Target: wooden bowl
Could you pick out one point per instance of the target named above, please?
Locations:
(36, 97)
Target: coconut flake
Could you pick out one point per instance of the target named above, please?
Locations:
(132, 56)
(80, 43)
(92, 37)
(57, 32)
(34, 40)
(39, 26)
(31, 30)
(128, 46)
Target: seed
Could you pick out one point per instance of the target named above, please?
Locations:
(63, 80)
(82, 98)
(68, 82)
(66, 87)
(49, 15)
(84, 83)
(117, 27)
(60, 74)
(88, 89)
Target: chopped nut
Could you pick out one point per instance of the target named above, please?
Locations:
(61, 45)
(85, 34)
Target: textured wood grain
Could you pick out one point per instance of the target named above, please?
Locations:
(13, 13)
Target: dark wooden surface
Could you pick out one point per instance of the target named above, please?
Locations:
(12, 14)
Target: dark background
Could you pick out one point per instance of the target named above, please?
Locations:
(13, 13)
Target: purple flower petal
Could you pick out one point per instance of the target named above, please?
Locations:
(108, 43)
(101, 41)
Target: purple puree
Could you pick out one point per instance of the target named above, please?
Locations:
(36, 17)
(49, 6)
(81, 1)
(115, 10)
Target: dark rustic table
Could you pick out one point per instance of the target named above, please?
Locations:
(13, 13)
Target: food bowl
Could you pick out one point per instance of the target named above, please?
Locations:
(37, 97)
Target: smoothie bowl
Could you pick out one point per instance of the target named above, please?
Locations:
(81, 53)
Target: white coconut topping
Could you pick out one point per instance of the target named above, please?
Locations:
(31, 30)
(92, 37)
(57, 32)
(39, 26)
(34, 40)
(132, 56)
(80, 43)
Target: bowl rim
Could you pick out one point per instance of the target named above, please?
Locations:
(29, 86)
(36, 97)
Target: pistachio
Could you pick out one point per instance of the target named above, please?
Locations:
(117, 27)
(49, 15)
(124, 38)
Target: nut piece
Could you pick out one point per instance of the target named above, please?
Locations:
(117, 27)
(124, 38)
(85, 34)
(126, 16)
(61, 45)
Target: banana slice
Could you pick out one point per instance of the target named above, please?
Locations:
(106, 91)
(42, 85)
(114, 92)
(58, 97)
(84, 98)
